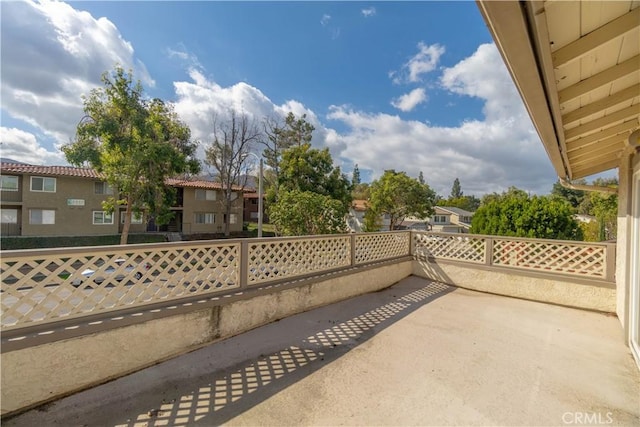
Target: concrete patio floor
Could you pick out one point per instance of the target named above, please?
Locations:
(418, 353)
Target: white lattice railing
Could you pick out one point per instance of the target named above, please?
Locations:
(289, 258)
(372, 247)
(590, 260)
(43, 286)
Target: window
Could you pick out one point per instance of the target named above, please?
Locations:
(233, 219)
(135, 218)
(205, 194)
(9, 216)
(42, 216)
(102, 187)
(44, 184)
(102, 217)
(440, 218)
(205, 218)
(8, 183)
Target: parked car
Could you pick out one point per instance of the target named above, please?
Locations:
(131, 267)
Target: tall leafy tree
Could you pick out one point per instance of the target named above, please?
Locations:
(355, 179)
(456, 190)
(515, 213)
(304, 213)
(233, 140)
(308, 169)
(307, 173)
(574, 197)
(279, 136)
(136, 143)
(397, 195)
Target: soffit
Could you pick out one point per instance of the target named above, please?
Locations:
(587, 55)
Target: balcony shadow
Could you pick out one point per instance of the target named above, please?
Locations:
(198, 389)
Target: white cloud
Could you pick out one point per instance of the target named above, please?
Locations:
(51, 55)
(408, 101)
(22, 146)
(487, 155)
(484, 76)
(425, 61)
(325, 19)
(369, 11)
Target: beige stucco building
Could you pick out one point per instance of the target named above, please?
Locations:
(67, 201)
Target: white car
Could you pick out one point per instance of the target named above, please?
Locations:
(88, 273)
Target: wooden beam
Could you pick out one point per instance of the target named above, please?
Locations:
(611, 144)
(625, 113)
(600, 167)
(602, 104)
(585, 44)
(598, 136)
(631, 65)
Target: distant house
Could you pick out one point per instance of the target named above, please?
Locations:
(67, 201)
(355, 218)
(450, 220)
(251, 208)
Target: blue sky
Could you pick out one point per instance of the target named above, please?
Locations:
(413, 86)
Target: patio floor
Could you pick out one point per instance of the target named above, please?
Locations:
(418, 353)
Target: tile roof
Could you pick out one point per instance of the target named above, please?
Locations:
(18, 168)
(50, 170)
(360, 205)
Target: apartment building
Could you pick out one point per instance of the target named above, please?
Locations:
(67, 201)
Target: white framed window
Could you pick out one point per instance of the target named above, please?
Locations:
(9, 216)
(205, 194)
(136, 218)
(102, 187)
(205, 218)
(42, 216)
(233, 219)
(43, 184)
(102, 217)
(8, 183)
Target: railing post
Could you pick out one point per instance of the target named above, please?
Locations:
(412, 246)
(353, 249)
(610, 266)
(244, 263)
(488, 251)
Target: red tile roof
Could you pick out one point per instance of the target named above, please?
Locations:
(18, 168)
(49, 170)
(360, 205)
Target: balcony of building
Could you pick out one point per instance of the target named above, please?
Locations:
(400, 328)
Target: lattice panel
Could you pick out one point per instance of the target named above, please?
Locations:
(380, 246)
(585, 260)
(279, 259)
(456, 247)
(64, 284)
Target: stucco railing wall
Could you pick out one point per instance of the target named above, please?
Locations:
(45, 286)
(575, 274)
(60, 327)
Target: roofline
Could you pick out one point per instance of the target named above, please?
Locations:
(510, 25)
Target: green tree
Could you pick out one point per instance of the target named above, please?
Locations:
(227, 155)
(360, 191)
(307, 177)
(355, 179)
(136, 144)
(308, 169)
(279, 137)
(515, 213)
(397, 195)
(421, 178)
(298, 213)
(468, 203)
(456, 191)
(574, 197)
